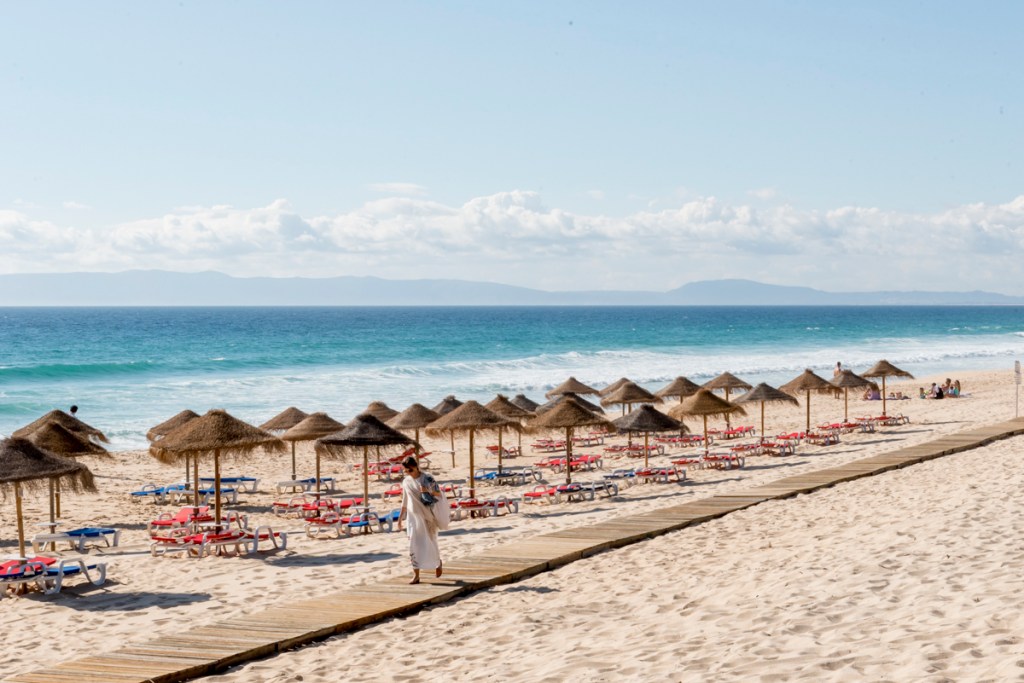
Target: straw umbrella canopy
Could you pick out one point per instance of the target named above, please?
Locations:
(470, 418)
(569, 415)
(170, 424)
(807, 382)
(648, 419)
(54, 438)
(705, 404)
(525, 403)
(415, 417)
(613, 386)
(214, 434)
(69, 422)
(572, 386)
(846, 380)
(285, 420)
(680, 386)
(362, 432)
(553, 403)
(311, 428)
(502, 406)
(628, 394)
(762, 394)
(883, 369)
(380, 410)
(727, 382)
(446, 406)
(24, 465)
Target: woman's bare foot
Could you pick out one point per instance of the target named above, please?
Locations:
(415, 577)
(438, 572)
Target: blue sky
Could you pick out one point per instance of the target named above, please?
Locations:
(522, 132)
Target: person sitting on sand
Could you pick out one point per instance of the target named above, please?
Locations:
(872, 394)
(956, 388)
(936, 391)
(421, 497)
(922, 393)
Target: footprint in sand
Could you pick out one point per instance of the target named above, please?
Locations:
(961, 646)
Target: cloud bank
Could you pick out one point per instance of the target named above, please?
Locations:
(513, 237)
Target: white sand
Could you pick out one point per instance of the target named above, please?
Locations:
(845, 584)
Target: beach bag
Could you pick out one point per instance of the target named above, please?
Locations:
(442, 512)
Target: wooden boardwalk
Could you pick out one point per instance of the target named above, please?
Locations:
(212, 648)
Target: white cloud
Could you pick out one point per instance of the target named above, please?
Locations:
(23, 204)
(764, 193)
(515, 237)
(596, 194)
(75, 206)
(399, 189)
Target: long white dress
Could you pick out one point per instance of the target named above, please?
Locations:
(422, 526)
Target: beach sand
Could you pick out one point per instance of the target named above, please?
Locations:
(905, 576)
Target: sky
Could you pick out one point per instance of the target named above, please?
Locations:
(558, 145)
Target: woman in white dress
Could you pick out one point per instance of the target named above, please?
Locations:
(422, 521)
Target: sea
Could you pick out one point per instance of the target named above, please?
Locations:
(130, 368)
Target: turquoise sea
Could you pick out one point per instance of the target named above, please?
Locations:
(130, 368)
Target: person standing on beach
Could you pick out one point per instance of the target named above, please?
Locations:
(838, 393)
(74, 409)
(425, 508)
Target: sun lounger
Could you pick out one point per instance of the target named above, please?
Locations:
(364, 522)
(159, 494)
(246, 484)
(52, 579)
(182, 518)
(662, 475)
(822, 438)
(626, 476)
(541, 494)
(77, 538)
(277, 539)
(778, 448)
(477, 507)
(18, 573)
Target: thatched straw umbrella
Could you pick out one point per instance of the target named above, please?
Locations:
(214, 434)
(762, 394)
(553, 403)
(380, 410)
(705, 404)
(628, 394)
(285, 420)
(647, 419)
(680, 386)
(807, 382)
(68, 422)
(846, 380)
(525, 403)
(170, 424)
(415, 417)
(470, 418)
(506, 408)
(446, 406)
(23, 465)
(572, 386)
(312, 428)
(883, 369)
(54, 438)
(569, 415)
(361, 433)
(613, 386)
(726, 381)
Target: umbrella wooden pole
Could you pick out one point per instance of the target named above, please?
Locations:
(706, 447)
(808, 392)
(318, 472)
(366, 477)
(646, 435)
(417, 446)
(472, 477)
(728, 426)
(846, 404)
(186, 471)
(21, 519)
(56, 496)
(293, 461)
(762, 420)
(195, 482)
(883, 395)
(500, 449)
(452, 436)
(53, 508)
(216, 489)
(568, 455)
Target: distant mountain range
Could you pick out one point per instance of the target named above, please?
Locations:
(163, 288)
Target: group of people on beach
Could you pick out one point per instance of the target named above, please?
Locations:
(948, 389)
